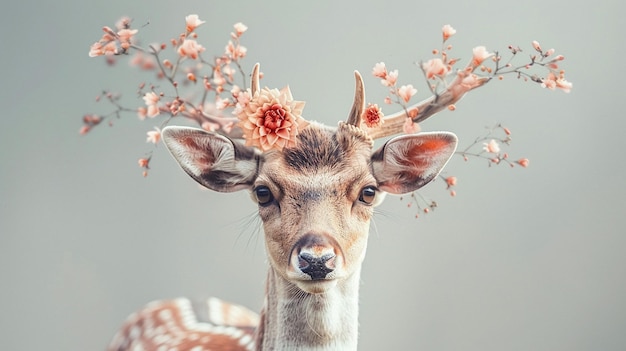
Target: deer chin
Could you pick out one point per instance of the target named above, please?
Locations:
(316, 286)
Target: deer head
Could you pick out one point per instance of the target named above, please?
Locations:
(316, 197)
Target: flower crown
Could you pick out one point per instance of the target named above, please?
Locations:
(270, 119)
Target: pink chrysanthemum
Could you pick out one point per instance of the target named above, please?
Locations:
(372, 116)
(272, 119)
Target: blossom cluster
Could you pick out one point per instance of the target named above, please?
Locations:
(212, 92)
(446, 80)
(441, 74)
(179, 62)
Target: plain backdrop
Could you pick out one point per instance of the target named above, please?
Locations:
(520, 259)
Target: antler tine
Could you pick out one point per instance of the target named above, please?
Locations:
(359, 101)
(394, 123)
(254, 85)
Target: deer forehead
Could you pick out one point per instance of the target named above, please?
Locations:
(323, 160)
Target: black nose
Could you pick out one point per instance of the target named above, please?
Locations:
(316, 267)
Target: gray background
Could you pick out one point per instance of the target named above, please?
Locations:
(521, 259)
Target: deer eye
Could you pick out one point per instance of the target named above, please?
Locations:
(368, 194)
(263, 195)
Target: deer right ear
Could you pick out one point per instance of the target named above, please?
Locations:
(211, 159)
(408, 162)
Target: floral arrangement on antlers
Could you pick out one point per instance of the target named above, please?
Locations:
(271, 119)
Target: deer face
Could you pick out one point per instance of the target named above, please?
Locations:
(316, 198)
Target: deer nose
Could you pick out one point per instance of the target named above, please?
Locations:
(316, 267)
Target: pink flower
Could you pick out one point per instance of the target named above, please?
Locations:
(372, 116)
(126, 35)
(448, 31)
(435, 67)
(451, 181)
(193, 21)
(96, 49)
(410, 127)
(243, 99)
(391, 78)
(123, 23)
(143, 61)
(210, 127)
(154, 136)
(551, 82)
(406, 92)
(480, 53)
(142, 113)
(523, 162)
(492, 147)
(272, 119)
(235, 51)
(151, 99)
(536, 45)
(240, 28)
(190, 48)
(221, 104)
(379, 70)
(143, 162)
(110, 48)
(218, 78)
(229, 71)
(564, 85)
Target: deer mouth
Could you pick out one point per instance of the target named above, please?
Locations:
(318, 286)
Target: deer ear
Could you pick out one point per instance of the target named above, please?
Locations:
(408, 162)
(211, 159)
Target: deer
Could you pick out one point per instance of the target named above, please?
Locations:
(315, 199)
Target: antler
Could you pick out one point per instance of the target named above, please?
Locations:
(359, 101)
(394, 123)
(254, 84)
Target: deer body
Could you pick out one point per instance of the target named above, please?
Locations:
(316, 200)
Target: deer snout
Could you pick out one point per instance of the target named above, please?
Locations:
(316, 267)
(315, 255)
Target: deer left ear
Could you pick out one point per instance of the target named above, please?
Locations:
(408, 162)
(211, 159)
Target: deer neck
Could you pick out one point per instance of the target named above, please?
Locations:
(294, 320)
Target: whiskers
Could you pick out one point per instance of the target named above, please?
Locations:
(380, 212)
(249, 228)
